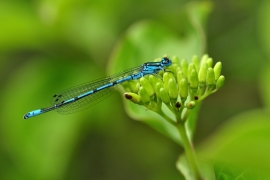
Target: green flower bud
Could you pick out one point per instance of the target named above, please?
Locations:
(173, 68)
(154, 80)
(176, 60)
(145, 98)
(210, 78)
(191, 105)
(158, 86)
(164, 96)
(220, 82)
(160, 73)
(180, 75)
(204, 58)
(209, 62)
(183, 88)
(133, 97)
(217, 69)
(134, 85)
(173, 91)
(203, 72)
(126, 87)
(166, 77)
(190, 68)
(194, 81)
(146, 84)
(196, 62)
(178, 69)
(184, 66)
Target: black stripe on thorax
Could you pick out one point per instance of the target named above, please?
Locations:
(155, 65)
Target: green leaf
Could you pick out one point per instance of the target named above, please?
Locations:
(242, 144)
(227, 172)
(147, 40)
(205, 168)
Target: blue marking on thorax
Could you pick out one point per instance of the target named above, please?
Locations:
(152, 68)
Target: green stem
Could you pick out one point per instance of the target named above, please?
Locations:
(167, 118)
(189, 150)
(188, 147)
(186, 115)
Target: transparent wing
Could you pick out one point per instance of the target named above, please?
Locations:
(92, 99)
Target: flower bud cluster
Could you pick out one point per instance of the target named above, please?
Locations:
(180, 86)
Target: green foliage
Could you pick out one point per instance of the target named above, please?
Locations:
(241, 145)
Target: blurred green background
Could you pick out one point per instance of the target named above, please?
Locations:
(47, 46)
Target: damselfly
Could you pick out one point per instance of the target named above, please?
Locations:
(85, 95)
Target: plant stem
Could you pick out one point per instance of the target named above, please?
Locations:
(189, 150)
(160, 112)
(188, 147)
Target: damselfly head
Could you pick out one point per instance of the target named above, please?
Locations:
(166, 61)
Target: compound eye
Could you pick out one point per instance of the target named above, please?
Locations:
(166, 60)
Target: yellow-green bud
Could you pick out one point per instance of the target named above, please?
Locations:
(203, 72)
(166, 77)
(204, 58)
(180, 75)
(209, 62)
(133, 97)
(210, 78)
(134, 85)
(176, 60)
(220, 82)
(126, 86)
(173, 68)
(184, 66)
(183, 88)
(164, 96)
(157, 88)
(194, 81)
(196, 62)
(154, 80)
(173, 91)
(146, 84)
(190, 68)
(178, 69)
(217, 69)
(145, 98)
(191, 105)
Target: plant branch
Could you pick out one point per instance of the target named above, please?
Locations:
(189, 150)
